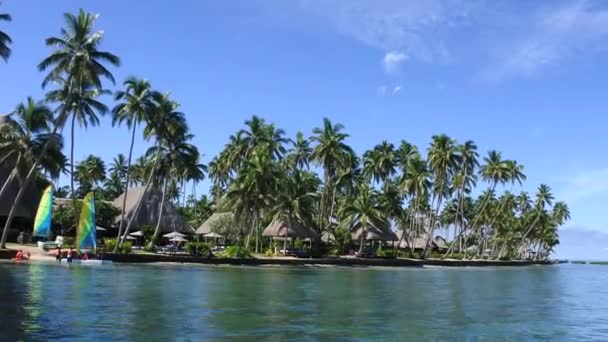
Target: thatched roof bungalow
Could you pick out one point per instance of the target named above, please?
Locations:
(281, 229)
(207, 226)
(374, 233)
(26, 210)
(149, 211)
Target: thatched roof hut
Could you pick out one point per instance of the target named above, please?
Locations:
(440, 243)
(374, 233)
(207, 226)
(149, 211)
(280, 228)
(29, 202)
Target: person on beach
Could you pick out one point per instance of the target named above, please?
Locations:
(58, 254)
(70, 256)
(85, 256)
(20, 256)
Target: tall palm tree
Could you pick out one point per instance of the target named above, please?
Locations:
(26, 144)
(135, 108)
(364, 212)
(416, 184)
(464, 181)
(166, 125)
(77, 63)
(5, 40)
(443, 159)
(330, 152)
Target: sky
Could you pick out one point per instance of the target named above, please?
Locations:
(526, 78)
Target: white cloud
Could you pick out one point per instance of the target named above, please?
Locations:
(386, 90)
(553, 35)
(496, 40)
(396, 89)
(584, 185)
(392, 61)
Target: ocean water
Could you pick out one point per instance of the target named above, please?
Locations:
(40, 302)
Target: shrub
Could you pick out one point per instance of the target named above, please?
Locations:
(125, 248)
(110, 243)
(238, 252)
(269, 252)
(197, 248)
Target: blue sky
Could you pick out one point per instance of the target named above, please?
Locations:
(526, 78)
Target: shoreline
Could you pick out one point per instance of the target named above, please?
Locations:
(288, 261)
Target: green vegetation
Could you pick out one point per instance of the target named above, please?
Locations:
(197, 248)
(262, 175)
(239, 252)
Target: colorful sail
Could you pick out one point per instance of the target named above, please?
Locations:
(85, 234)
(42, 223)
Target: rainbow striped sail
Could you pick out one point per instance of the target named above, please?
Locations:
(85, 234)
(42, 223)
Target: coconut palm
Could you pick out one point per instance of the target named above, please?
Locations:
(76, 63)
(5, 40)
(379, 163)
(166, 125)
(544, 198)
(416, 184)
(300, 153)
(119, 166)
(90, 172)
(26, 144)
(330, 153)
(443, 159)
(296, 199)
(363, 212)
(135, 107)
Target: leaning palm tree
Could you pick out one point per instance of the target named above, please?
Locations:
(165, 124)
(544, 198)
(5, 40)
(26, 144)
(379, 164)
(134, 109)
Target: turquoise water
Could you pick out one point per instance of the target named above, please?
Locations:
(196, 303)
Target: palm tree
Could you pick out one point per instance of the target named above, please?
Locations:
(118, 166)
(464, 181)
(443, 159)
(543, 198)
(27, 144)
(77, 64)
(363, 212)
(136, 107)
(296, 198)
(379, 163)
(253, 189)
(415, 183)
(167, 125)
(5, 40)
(331, 152)
(300, 154)
(90, 172)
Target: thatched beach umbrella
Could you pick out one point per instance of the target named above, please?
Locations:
(174, 235)
(374, 233)
(137, 233)
(178, 239)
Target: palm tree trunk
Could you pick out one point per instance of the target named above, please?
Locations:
(28, 179)
(124, 200)
(8, 180)
(432, 225)
(160, 213)
(363, 236)
(72, 166)
(140, 200)
(523, 238)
